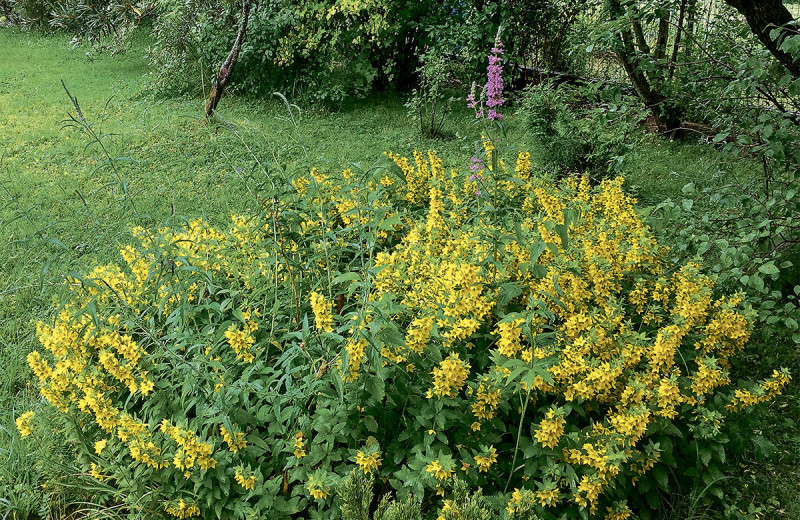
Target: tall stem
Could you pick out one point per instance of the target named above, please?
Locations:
(519, 435)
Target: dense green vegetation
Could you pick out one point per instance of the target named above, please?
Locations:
(139, 154)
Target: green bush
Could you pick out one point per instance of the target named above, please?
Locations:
(526, 338)
(577, 136)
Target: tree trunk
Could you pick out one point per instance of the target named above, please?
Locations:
(763, 16)
(677, 43)
(663, 37)
(639, 34)
(691, 16)
(666, 116)
(226, 71)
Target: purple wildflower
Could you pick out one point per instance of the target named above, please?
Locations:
(476, 164)
(494, 85)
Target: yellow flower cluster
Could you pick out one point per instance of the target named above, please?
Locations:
(766, 391)
(246, 482)
(367, 463)
(299, 446)
(436, 469)
(486, 401)
(96, 473)
(355, 357)
(509, 342)
(182, 509)
(235, 442)
(322, 312)
(550, 430)
(240, 340)
(484, 462)
(190, 448)
(24, 423)
(449, 377)
(317, 488)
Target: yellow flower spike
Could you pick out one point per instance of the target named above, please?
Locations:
(24, 423)
(509, 342)
(449, 377)
(322, 312)
(550, 430)
(548, 497)
(299, 446)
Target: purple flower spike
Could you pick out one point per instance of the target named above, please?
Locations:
(494, 85)
(493, 88)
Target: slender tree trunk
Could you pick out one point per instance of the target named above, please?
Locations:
(226, 71)
(663, 37)
(763, 16)
(691, 16)
(666, 116)
(639, 34)
(676, 45)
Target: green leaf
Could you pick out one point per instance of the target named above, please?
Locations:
(390, 222)
(705, 456)
(769, 268)
(507, 292)
(346, 277)
(757, 283)
(791, 324)
(370, 423)
(660, 474)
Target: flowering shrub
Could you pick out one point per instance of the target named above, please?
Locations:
(415, 324)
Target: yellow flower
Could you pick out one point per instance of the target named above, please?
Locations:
(367, 463)
(24, 423)
(235, 441)
(548, 497)
(450, 376)
(316, 488)
(484, 462)
(182, 509)
(246, 482)
(240, 341)
(99, 446)
(96, 474)
(318, 493)
(516, 496)
(509, 332)
(550, 430)
(322, 312)
(299, 446)
(438, 471)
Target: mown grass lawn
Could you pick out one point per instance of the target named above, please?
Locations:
(65, 207)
